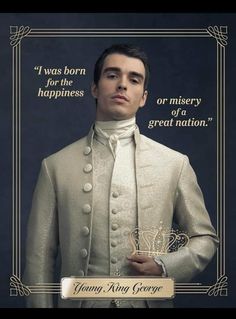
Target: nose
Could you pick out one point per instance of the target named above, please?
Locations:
(122, 85)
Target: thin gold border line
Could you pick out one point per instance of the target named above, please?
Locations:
(223, 155)
(193, 293)
(117, 36)
(17, 141)
(222, 159)
(218, 160)
(17, 158)
(32, 32)
(219, 168)
(176, 285)
(16, 164)
(121, 31)
(19, 166)
(224, 110)
(195, 290)
(185, 289)
(188, 284)
(193, 286)
(46, 292)
(13, 160)
(16, 152)
(204, 290)
(16, 155)
(117, 29)
(220, 172)
(221, 229)
(44, 288)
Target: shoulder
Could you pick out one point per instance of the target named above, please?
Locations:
(69, 152)
(169, 163)
(160, 150)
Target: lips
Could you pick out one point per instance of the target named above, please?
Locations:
(121, 97)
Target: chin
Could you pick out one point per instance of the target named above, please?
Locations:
(115, 114)
(121, 117)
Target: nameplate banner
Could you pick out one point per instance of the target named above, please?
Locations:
(117, 287)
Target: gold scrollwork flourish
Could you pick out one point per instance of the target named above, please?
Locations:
(18, 287)
(17, 34)
(219, 34)
(219, 288)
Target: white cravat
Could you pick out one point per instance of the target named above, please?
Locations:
(112, 132)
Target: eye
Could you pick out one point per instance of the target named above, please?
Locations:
(134, 80)
(111, 75)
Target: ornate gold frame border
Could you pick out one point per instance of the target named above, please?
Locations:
(17, 33)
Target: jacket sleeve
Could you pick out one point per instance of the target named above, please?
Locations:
(192, 217)
(42, 241)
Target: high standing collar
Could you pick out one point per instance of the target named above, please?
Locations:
(91, 135)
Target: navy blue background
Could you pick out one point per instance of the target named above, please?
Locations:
(179, 66)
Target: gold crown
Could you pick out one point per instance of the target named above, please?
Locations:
(157, 241)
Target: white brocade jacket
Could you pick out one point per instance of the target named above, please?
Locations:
(62, 209)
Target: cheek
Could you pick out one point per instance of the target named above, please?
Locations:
(106, 86)
(139, 98)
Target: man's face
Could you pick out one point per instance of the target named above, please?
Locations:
(120, 90)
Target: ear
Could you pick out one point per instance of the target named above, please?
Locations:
(144, 98)
(94, 90)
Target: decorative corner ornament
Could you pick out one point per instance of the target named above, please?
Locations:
(17, 33)
(219, 33)
(17, 287)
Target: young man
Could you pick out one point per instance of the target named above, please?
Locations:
(92, 194)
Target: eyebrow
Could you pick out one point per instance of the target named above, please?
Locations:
(115, 69)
